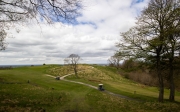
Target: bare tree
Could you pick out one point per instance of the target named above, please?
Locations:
(73, 61)
(115, 60)
(19, 11)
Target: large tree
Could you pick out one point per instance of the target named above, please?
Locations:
(149, 38)
(172, 46)
(19, 11)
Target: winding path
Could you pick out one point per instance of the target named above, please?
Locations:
(62, 78)
(111, 93)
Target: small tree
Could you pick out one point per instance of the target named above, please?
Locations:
(73, 61)
(128, 64)
(114, 61)
(116, 58)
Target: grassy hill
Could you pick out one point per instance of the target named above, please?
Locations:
(29, 89)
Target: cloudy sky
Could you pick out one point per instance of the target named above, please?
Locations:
(93, 38)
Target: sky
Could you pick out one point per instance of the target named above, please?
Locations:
(93, 38)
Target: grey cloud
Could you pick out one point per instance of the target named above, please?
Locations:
(95, 43)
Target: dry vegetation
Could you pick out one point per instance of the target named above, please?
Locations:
(59, 70)
(141, 77)
(92, 73)
(88, 72)
(144, 75)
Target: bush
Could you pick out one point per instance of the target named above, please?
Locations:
(126, 76)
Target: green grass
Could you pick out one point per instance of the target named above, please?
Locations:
(124, 86)
(44, 93)
(119, 85)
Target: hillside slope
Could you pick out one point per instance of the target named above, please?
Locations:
(29, 89)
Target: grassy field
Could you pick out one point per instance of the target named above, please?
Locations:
(27, 89)
(117, 84)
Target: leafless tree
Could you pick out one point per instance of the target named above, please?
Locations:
(73, 61)
(115, 60)
(19, 11)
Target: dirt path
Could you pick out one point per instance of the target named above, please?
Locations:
(50, 76)
(81, 83)
(62, 78)
(108, 92)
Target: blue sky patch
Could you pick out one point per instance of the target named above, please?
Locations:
(138, 1)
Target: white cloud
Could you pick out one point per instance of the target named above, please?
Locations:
(94, 39)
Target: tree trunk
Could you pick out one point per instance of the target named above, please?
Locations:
(161, 88)
(160, 80)
(171, 81)
(75, 71)
(172, 89)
